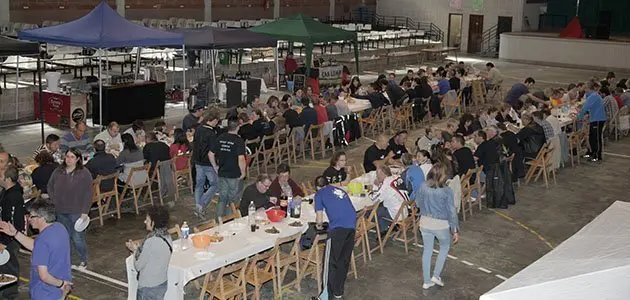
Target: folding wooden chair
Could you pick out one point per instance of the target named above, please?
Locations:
(267, 153)
(283, 147)
(137, 180)
(235, 215)
(311, 260)
(254, 160)
(317, 141)
(467, 205)
(359, 243)
(370, 222)
(183, 178)
(229, 283)
(161, 167)
(260, 272)
(103, 198)
(205, 226)
(543, 164)
(283, 262)
(371, 122)
(404, 224)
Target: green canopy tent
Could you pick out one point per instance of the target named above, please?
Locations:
(304, 29)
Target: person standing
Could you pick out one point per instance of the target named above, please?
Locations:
(193, 117)
(341, 230)
(438, 219)
(70, 189)
(594, 106)
(51, 273)
(205, 138)
(152, 256)
(228, 160)
(11, 211)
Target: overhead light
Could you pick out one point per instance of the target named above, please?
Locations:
(61, 7)
(181, 6)
(127, 6)
(227, 5)
(25, 7)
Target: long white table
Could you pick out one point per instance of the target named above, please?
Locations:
(237, 245)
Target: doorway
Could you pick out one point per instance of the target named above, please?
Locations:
(504, 25)
(455, 30)
(475, 33)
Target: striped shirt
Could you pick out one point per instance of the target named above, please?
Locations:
(56, 155)
(68, 141)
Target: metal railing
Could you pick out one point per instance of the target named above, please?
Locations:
(490, 42)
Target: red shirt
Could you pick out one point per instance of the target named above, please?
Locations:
(322, 114)
(290, 65)
(619, 101)
(180, 162)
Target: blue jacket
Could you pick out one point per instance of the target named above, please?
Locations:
(414, 178)
(594, 105)
(438, 203)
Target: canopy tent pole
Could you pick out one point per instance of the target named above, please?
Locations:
(308, 61)
(183, 75)
(106, 65)
(215, 85)
(17, 88)
(277, 68)
(41, 105)
(356, 56)
(138, 59)
(100, 91)
(577, 8)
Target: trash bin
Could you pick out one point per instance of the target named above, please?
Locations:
(224, 58)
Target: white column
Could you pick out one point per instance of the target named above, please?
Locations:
(5, 11)
(207, 10)
(276, 9)
(120, 7)
(331, 9)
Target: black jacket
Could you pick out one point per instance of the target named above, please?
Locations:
(42, 174)
(376, 99)
(205, 137)
(12, 210)
(154, 152)
(103, 164)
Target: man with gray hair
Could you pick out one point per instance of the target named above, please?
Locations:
(11, 211)
(51, 275)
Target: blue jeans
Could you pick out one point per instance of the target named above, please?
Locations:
(482, 179)
(152, 293)
(203, 198)
(382, 214)
(229, 190)
(78, 238)
(428, 238)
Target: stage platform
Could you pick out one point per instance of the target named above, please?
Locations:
(549, 49)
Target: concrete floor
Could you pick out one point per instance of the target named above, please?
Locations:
(491, 247)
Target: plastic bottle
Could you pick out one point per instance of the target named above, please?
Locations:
(185, 234)
(251, 215)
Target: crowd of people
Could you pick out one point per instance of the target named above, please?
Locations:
(498, 138)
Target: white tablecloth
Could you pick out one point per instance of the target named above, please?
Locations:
(222, 88)
(359, 105)
(184, 267)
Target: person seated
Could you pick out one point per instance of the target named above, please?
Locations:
(507, 114)
(394, 92)
(510, 141)
(179, 147)
(320, 109)
(423, 158)
(136, 130)
(462, 155)
(160, 130)
(389, 196)
(155, 151)
(257, 104)
(377, 154)
(235, 111)
(355, 86)
(77, 138)
(193, 117)
(129, 157)
(53, 142)
(310, 94)
(308, 115)
(284, 185)
(531, 137)
(261, 125)
(41, 174)
(291, 116)
(257, 192)
(488, 117)
(111, 137)
(397, 144)
(413, 176)
(297, 97)
(467, 125)
(273, 107)
(331, 108)
(408, 78)
(520, 92)
(427, 140)
(493, 78)
(337, 172)
(376, 98)
(102, 164)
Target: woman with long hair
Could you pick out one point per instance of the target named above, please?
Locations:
(70, 189)
(152, 255)
(337, 172)
(438, 219)
(355, 85)
(129, 157)
(180, 146)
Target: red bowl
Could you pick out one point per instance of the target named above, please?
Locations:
(276, 215)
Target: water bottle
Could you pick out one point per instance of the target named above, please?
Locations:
(185, 234)
(251, 215)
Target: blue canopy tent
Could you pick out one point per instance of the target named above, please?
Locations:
(102, 28)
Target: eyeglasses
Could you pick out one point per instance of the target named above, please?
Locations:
(33, 216)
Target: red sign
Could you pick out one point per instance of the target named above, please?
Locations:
(56, 108)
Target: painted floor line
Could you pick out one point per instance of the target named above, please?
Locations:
(527, 228)
(462, 261)
(73, 297)
(617, 155)
(100, 276)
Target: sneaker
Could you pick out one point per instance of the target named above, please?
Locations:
(427, 286)
(586, 156)
(199, 213)
(473, 199)
(594, 160)
(437, 280)
(83, 265)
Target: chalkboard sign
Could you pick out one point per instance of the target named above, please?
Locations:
(299, 81)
